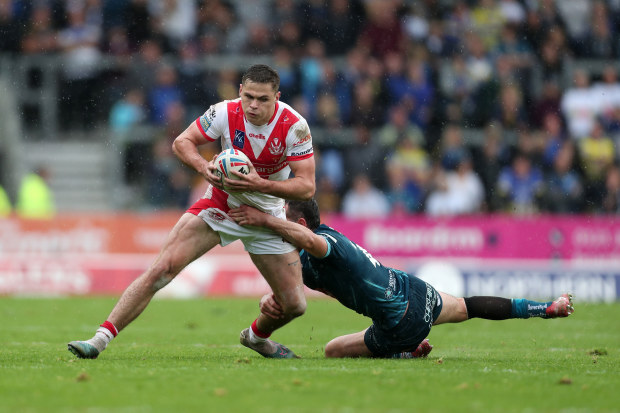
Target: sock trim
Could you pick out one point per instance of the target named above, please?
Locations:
(109, 326)
(256, 331)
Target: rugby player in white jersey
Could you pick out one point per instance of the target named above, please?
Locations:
(277, 140)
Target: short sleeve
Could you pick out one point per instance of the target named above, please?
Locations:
(213, 122)
(299, 142)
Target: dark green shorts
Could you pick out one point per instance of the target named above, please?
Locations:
(424, 308)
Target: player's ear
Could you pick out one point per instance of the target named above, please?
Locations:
(278, 95)
(302, 221)
(240, 88)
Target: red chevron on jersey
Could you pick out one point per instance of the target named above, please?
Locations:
(268, 155)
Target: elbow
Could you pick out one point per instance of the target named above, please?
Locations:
(176, 146)
(309, 193)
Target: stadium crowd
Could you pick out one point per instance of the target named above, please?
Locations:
(408, 79)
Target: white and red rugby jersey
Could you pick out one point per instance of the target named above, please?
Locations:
(270, 147)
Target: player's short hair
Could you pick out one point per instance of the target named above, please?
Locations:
(308, 210)
(262, 74)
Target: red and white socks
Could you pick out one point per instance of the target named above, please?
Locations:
(257, 336)
(105, 333)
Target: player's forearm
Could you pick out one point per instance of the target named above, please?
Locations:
(188, 153)
(298, 235)
(297, 188)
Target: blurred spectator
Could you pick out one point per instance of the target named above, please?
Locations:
(601, 40)
(284, 63)
(597, 153)
(40, 33)
(552, 56)
(139, 24)
(79, 43)
(196, 84)
(311, 69)
(553, 139)
(512, 11)
(520, 186)
(142, 72)
(563, 190)
(330, 177)
(452, 147)
(165, 92)
(127, 113)
(511, 112)
(399, 127)
(11, 27)
(456, 192)
(363, 200)
(5, 204)
(547, 103)
(417, 95)
(167, 182)
(611, 196)
(258, 42)
(576, 15)
(382, 32)
(487, 21)
(404, 195)
(218, 20)
(516, 54)
(579, 106)
(457, 87)
(313, 18)
(228, 85)
(35, 199)
(409, 155)
(344, 19)
(366, 109)
(117, 43)
(607, 92)
(289, 37)
(490, 160)
(364, 156)
(177, 19)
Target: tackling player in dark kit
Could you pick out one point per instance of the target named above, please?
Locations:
(403, 308)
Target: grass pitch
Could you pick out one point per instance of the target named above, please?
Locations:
(185, 356)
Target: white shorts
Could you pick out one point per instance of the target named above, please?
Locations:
(214, 211)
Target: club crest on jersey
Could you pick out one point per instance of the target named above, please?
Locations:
(239, 138)
(275, 147)
(216, 215)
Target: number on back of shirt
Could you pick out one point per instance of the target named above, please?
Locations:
(367, 254)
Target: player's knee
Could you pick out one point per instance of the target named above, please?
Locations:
(160, 274)
(333, 350)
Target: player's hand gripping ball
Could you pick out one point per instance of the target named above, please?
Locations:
(231, 160)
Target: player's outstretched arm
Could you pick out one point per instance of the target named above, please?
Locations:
(295, 233)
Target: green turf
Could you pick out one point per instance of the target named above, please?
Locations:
(184, 356)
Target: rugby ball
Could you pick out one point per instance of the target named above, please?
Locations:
(231, 160)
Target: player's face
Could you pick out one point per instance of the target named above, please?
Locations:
(258, 101)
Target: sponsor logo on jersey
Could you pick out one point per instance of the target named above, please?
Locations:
(431, 301)
(307, 151)
(256, 136)
(275, 147)
(239, 138)
(303, 140)
(268, 170)
(391, 288)
(207, 118)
